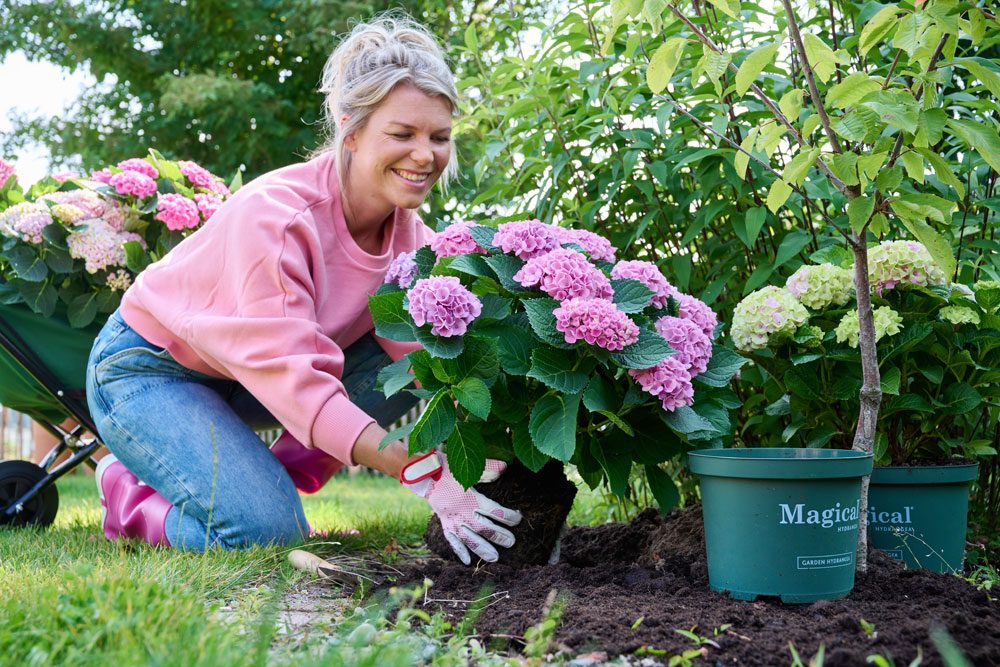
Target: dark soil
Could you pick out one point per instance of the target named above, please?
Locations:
(652, 574)
(544, 500)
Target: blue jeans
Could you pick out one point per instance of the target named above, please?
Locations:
(191, 437)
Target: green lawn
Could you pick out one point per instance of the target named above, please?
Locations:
(71, 597)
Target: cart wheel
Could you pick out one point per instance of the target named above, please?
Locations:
(16, 477)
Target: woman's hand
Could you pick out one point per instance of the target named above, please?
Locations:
(466, 516)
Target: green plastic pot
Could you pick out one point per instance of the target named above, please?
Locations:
(781, 521)
(919, 514)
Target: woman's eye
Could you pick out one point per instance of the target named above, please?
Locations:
(442, 140)
(401, 136)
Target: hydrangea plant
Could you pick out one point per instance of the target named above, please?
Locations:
(938, 351)
(80, 241)
(538, 346)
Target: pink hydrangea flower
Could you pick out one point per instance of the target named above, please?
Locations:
(456, 239)
(693, 348)
(177, 211)
(526, 238)
(133, 183)
(140, 165)
(597, 321)
(565, 274)
(87, 201)
(402, 270)
(598, 247)
(101, 176)
(445, 303)
(114, 215)
(99, 245)
(207, 204)
(198, 175)
(669, 381)
(220, 188)
(6, 171)
(64, 176)
(649, 275)
(26, 221)
(698, 312)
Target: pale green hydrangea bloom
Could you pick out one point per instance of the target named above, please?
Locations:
(986, 284)
(959, 315)
(887, 323)
(821, 285)
(766, 316)
(893, 263)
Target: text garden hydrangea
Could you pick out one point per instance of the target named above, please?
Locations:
(536, 346)
(80, 241)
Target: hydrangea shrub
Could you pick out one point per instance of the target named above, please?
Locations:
(80, 241)
(537, 346)
(938, 343)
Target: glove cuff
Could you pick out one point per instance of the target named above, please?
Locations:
(428, 467)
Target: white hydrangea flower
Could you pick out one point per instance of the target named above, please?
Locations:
(887, 323)
(766, 316)
(893, 263)
(959, 315)
(821, 285)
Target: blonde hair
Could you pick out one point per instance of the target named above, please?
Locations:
(365, 67)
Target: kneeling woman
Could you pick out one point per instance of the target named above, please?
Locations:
(260, 319)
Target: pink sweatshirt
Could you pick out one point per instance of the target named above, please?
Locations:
(269, 292)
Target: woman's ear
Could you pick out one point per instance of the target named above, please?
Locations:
(351, 142)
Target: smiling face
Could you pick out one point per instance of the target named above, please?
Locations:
(399, 153)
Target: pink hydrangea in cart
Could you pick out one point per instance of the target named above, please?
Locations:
(541, 350)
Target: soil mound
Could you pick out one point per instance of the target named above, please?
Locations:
(632, 585)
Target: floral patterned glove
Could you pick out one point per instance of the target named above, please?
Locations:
(466, 515)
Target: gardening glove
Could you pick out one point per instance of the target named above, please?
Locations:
(466, 515)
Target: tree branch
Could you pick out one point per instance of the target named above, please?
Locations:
(931, 64)
(793, 27)
(771, 106)
(710, 130)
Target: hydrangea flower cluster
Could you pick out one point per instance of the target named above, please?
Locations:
(696, 310)
(177, 212)
(959, 315)
(649, 275)
(132, 183)
(595, 245)
(99, 245)
(456, 239)
(444, 303)
(87, 201)
(692, 347)
(893, 263)
(597, 321)
(25, 221)
(565, 274)
(669, 381)
(201, 177)
(6, 171)
(817, 286)
(207, 204)
(887, 323)
(765, 316)
(119, 281)
(402, 270)
(140, 165)
(526, 238)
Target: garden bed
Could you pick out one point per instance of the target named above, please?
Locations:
(630, 586)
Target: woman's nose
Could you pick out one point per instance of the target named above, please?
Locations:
(422, 153)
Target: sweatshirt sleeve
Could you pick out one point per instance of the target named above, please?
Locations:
(259, 326)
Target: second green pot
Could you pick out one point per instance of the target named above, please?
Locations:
(918, 514)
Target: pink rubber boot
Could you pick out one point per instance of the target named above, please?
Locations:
(310, 469)
(129, 507)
